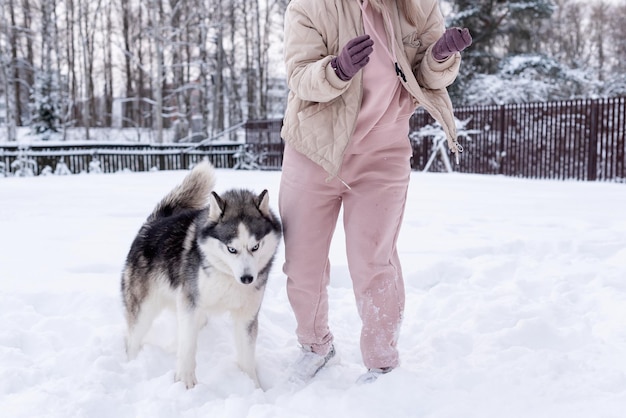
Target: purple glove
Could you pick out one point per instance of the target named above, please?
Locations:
(354, 56)
(453, 40)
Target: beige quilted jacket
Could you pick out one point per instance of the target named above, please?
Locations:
(322, 109)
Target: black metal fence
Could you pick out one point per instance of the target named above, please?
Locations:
(581, 139)
(136, 157)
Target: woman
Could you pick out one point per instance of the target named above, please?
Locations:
(356, 69)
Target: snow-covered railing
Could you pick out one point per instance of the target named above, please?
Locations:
(44, 158)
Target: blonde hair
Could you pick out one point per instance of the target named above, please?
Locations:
(406, 7)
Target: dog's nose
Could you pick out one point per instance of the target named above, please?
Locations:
(246, 279)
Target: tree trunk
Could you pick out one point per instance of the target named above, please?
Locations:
(14, 70)
(7, 64)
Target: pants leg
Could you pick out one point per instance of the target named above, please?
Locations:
(309, 207)
(373, 212)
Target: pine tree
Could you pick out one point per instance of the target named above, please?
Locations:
(45, 104)
(528, 78)
(500, 29)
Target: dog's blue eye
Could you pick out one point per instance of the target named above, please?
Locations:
(232, 250)
(256, 247)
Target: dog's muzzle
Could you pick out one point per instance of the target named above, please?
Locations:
(246, 279)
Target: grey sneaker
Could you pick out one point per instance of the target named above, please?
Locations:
(372, 375)
(309, 363)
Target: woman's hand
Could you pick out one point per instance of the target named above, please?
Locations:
(452, 41)
(354, 56)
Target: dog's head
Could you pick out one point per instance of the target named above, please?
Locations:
(241, 235)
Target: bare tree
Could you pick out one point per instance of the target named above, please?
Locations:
(598, 29)
(564, 36)
(69, 48)
(127, 18)
(617, 48)
(157, 31)
(7, 67)
(107, 55)
(218, 73)
(203, 93)
(26, 64)
(88, 11)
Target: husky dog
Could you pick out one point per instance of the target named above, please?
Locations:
(201, 260)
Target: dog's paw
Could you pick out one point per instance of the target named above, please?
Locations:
(256, 381)
(132, 351)
(187, 377)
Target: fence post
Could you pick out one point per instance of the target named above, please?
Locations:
(592, 155)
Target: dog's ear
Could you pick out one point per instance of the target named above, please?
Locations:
(216, 207)
(263, 203)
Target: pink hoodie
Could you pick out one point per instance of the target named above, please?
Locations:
(384, 101)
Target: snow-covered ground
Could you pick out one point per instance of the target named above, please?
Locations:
(516, 307)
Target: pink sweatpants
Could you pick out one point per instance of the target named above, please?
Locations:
(373, 207)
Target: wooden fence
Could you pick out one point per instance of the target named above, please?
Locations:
(581, 139)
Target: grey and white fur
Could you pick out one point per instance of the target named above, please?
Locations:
(201, 260)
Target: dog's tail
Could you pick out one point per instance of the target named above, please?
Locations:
(192, 193)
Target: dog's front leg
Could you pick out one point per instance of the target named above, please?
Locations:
(246, 329)
(188, 319)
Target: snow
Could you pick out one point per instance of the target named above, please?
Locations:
(516, 307)
(26, 136)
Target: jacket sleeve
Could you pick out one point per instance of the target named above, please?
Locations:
(430, 73)
(309, 73)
